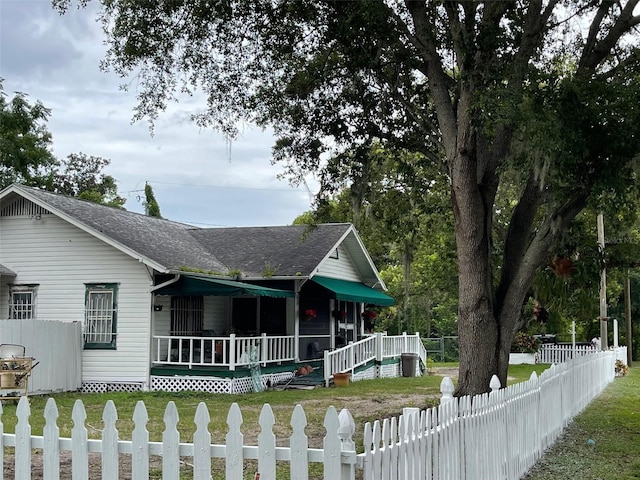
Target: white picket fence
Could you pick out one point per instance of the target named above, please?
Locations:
(550, 353)
(338, 455)
(498, 435)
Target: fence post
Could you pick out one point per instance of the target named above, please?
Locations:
(495, 384)
(446, 388)
(345, 431)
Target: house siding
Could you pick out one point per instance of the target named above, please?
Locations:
(61, 259)
(342, 267)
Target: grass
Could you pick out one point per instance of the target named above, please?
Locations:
(601, 442)
(385, 394)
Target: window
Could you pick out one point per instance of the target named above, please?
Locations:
(22, 302)
(100, 315)
(187, 315)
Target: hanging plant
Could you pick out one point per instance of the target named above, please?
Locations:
(309, 313)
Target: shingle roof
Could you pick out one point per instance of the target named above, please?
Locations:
(294, 250)
(281, 251)
(162, 241)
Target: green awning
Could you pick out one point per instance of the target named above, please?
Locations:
(354, 291)
(197, 285)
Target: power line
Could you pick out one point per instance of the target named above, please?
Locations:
(294, 190)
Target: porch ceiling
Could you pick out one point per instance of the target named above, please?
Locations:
(200, 285)
(353, 291)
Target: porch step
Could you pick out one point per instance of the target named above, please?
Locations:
(302, 382)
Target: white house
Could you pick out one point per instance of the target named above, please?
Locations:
(169, 306)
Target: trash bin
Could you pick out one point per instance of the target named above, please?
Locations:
(409, 364)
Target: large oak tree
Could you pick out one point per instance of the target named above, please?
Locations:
(541, 94)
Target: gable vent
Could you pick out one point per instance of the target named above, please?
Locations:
(23, 208)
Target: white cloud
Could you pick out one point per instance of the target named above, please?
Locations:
(196, 177)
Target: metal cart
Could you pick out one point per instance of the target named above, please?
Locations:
(15, 369)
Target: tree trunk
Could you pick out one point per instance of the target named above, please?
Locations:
(478, 329)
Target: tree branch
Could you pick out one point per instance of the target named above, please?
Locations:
(437, 79)
(595, 52)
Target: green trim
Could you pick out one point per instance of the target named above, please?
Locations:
(390, 361)
(89, 287)
(354, 291)
(222, 372)
(203, 285)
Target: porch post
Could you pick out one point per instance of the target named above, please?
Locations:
(296, 321)
(264, 349)
(232, 351)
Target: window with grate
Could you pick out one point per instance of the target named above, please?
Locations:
(187, 313)
(22, 302)
(100, 315)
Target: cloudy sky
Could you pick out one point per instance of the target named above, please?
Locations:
(196, 175)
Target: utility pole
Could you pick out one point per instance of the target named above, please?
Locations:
(603, 288)
(627, 314)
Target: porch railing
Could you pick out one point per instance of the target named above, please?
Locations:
(230, 352)
(375, 347)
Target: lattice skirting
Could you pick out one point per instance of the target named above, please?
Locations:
(214, 384)
(368, 374)
(103, 387)
(390, 370)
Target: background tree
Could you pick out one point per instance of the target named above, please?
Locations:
(544, 92)
(406, 222)
(81, 175)
(150, 203)
(26, 156)
(25, 143)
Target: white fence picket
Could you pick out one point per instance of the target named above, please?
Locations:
(23, 441)
(171, 442)
(299, 443)
(331, 445)
(234, 442)
(79, 442)
(201, 443)
(266, 444)
(51, 447)
(140, 443)
(110, 460)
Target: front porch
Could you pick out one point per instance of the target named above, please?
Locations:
(249, 364)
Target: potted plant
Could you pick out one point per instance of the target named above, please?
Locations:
(369, 317)
(621, 368)
(524, 349)
(309, 313)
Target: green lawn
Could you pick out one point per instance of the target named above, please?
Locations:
(367, 400)
(602, 442)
